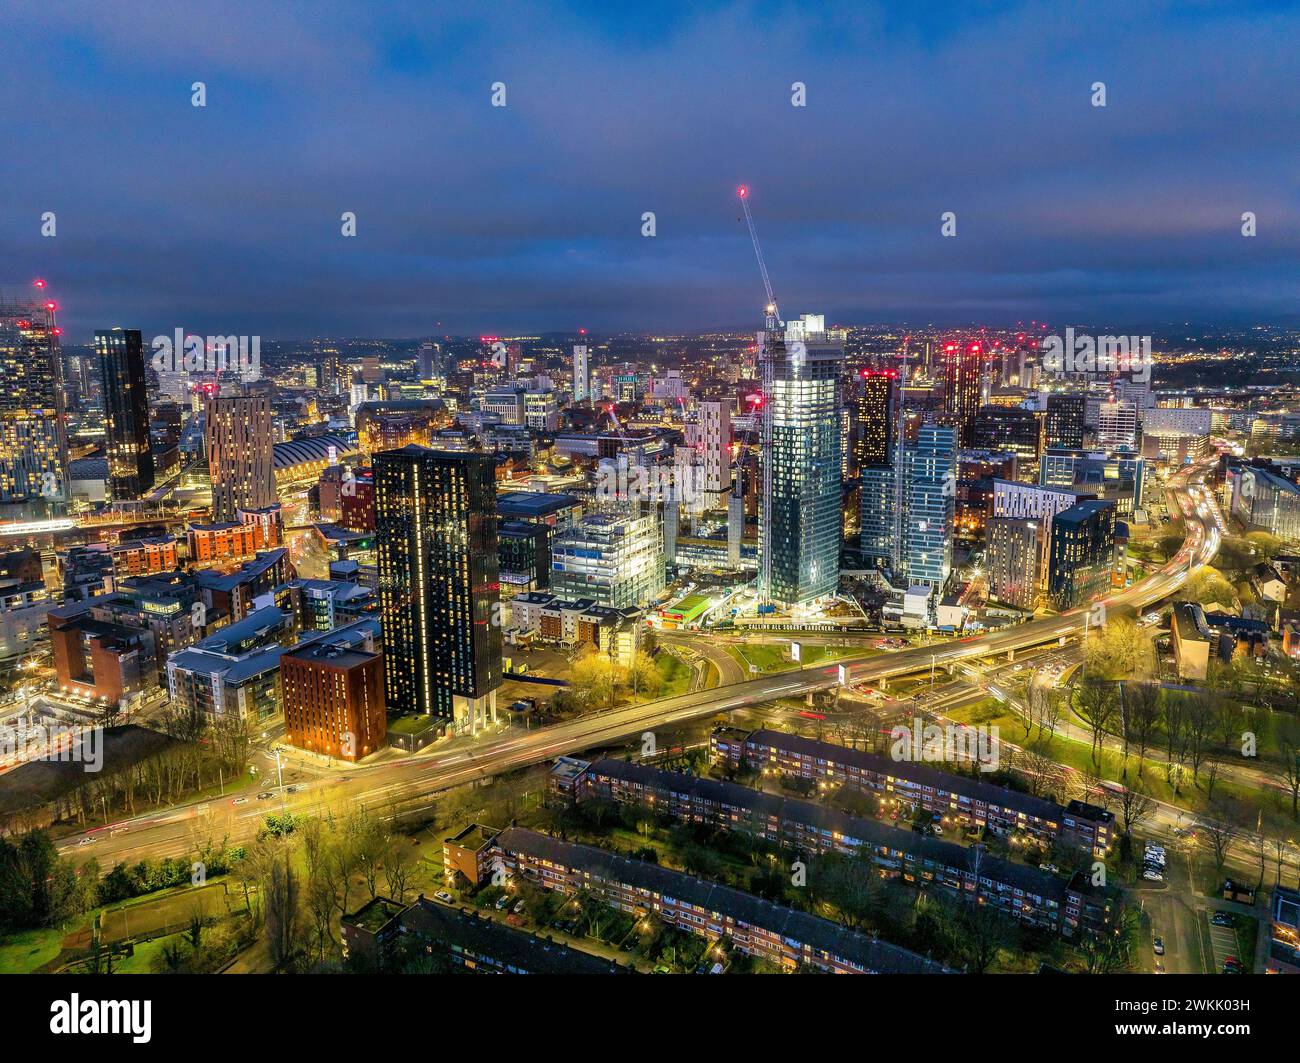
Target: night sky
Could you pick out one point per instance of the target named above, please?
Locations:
(475, 219)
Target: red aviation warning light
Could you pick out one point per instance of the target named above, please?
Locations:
(50, 306)
(742, 191)
(38, 283)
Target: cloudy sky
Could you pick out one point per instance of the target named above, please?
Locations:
(480, 219)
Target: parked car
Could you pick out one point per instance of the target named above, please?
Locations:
(444, 896)
(1223, 919)
(1158, 946)
(519, 906)
(1152, 876)
(1051, 868)
(502, 902)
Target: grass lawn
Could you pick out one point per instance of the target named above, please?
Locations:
(142, 958)
(1078, 755)
(676, 675)
(768, 657)
(763, 656)
(25, 952)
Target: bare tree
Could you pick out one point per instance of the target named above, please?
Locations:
(1136, 806)
(281, 890)
(1096, 702)
(1142, 715)
(1221, 828)
(1288, 743)
(1200, 727)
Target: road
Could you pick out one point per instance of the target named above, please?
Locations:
(175, 832)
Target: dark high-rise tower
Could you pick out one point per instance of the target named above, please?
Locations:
(874, 430)
(436, 543)
(962, 366)
(126, 414)
(1064, 421)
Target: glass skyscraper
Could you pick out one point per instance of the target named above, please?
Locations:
(930, 481)
(800, 526)
(126, 408)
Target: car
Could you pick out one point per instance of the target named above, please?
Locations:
(937, 829)
(1158, 946)
(1222, 919)
(1232, 965)
(86, 841)
(1050, 868)
(1159, 968)
(519, 906)
(240, 801)
(444, 896)
(295, 788)
(1152, 876)
(265, 795)
(1154, 859)
(502, 902)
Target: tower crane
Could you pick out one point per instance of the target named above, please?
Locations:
(773, 314)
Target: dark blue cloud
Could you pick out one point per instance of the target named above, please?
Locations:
(227, 218)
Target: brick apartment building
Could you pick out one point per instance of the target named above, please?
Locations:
(97, 659)
(1005, 812)
(770, 932)
(333, 699)
(1035, 897)
(376, 934)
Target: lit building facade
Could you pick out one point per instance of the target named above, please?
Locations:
(800, 525)
(240, 456)
(436, 548)
(33, 432)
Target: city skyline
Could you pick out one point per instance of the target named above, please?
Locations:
(472, 218)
